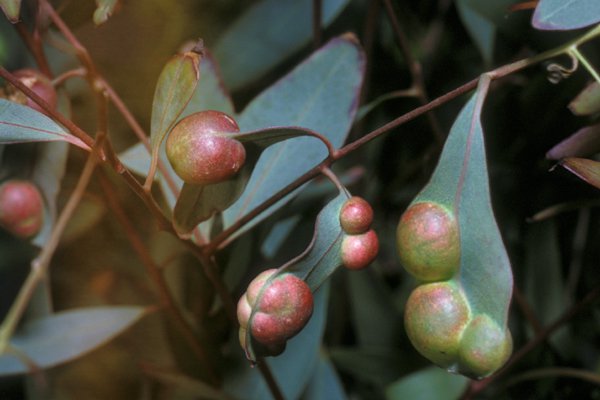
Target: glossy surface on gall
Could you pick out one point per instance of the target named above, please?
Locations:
(21, 208)
(41, 85)
(485, 347)
(435, 316)
(428, 242)
(358, 251)
(281, 309)
(201, 150)
(356, 216)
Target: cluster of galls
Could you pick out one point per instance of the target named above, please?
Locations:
(438, 318)
(273, 310)
(360, 244)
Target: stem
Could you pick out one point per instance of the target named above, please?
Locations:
(574, 51)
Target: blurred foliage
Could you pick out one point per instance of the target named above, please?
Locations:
(365, 352)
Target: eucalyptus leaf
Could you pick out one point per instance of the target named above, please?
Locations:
(565, 14)
(266, 34)
(104, 9)
(210, 93)
(293, 369)
(174, 89)
(12, 9)
(587, 170)
(64, 336)
(481, 29)
(460, 182)
(321, 95)
(323, 255)
(22, 124)
(588, 101)
(583, 143)
(324, 383)
(429, 383)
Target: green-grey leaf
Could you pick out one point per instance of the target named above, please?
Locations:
(12, 9)
(588, 101)
(22, 124)
(322, 257)
(64, 336)
(324, 383)
(481, 29)
(210, 93)
(460, 181)
(321, 94)
(174, 89)
(565, 14)
(292, 369)
(266, 34)
(429, 383)
(104, 9)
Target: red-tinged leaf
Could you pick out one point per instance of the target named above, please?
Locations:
(22, 124)
(565, 14)
(583, 143)
(588, 170)
(588, 101)
(174, 89)
(12, 9)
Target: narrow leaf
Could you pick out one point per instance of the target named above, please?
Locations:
(324, 383)
(210, 93)
(174, 89)
(583, 143)
(321, 94)
(12, 9)
(481, 30)
(64, 336)
(104, 9)
(588, 101)
(22, 124)
(588, 170)
(565, 14)
(429, 383)
(277, 28)
(322, 257)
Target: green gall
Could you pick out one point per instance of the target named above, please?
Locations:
(428, 242)
(356, 216)
(358, 251)
(484, 348)
(435, 317)
(201, 150)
